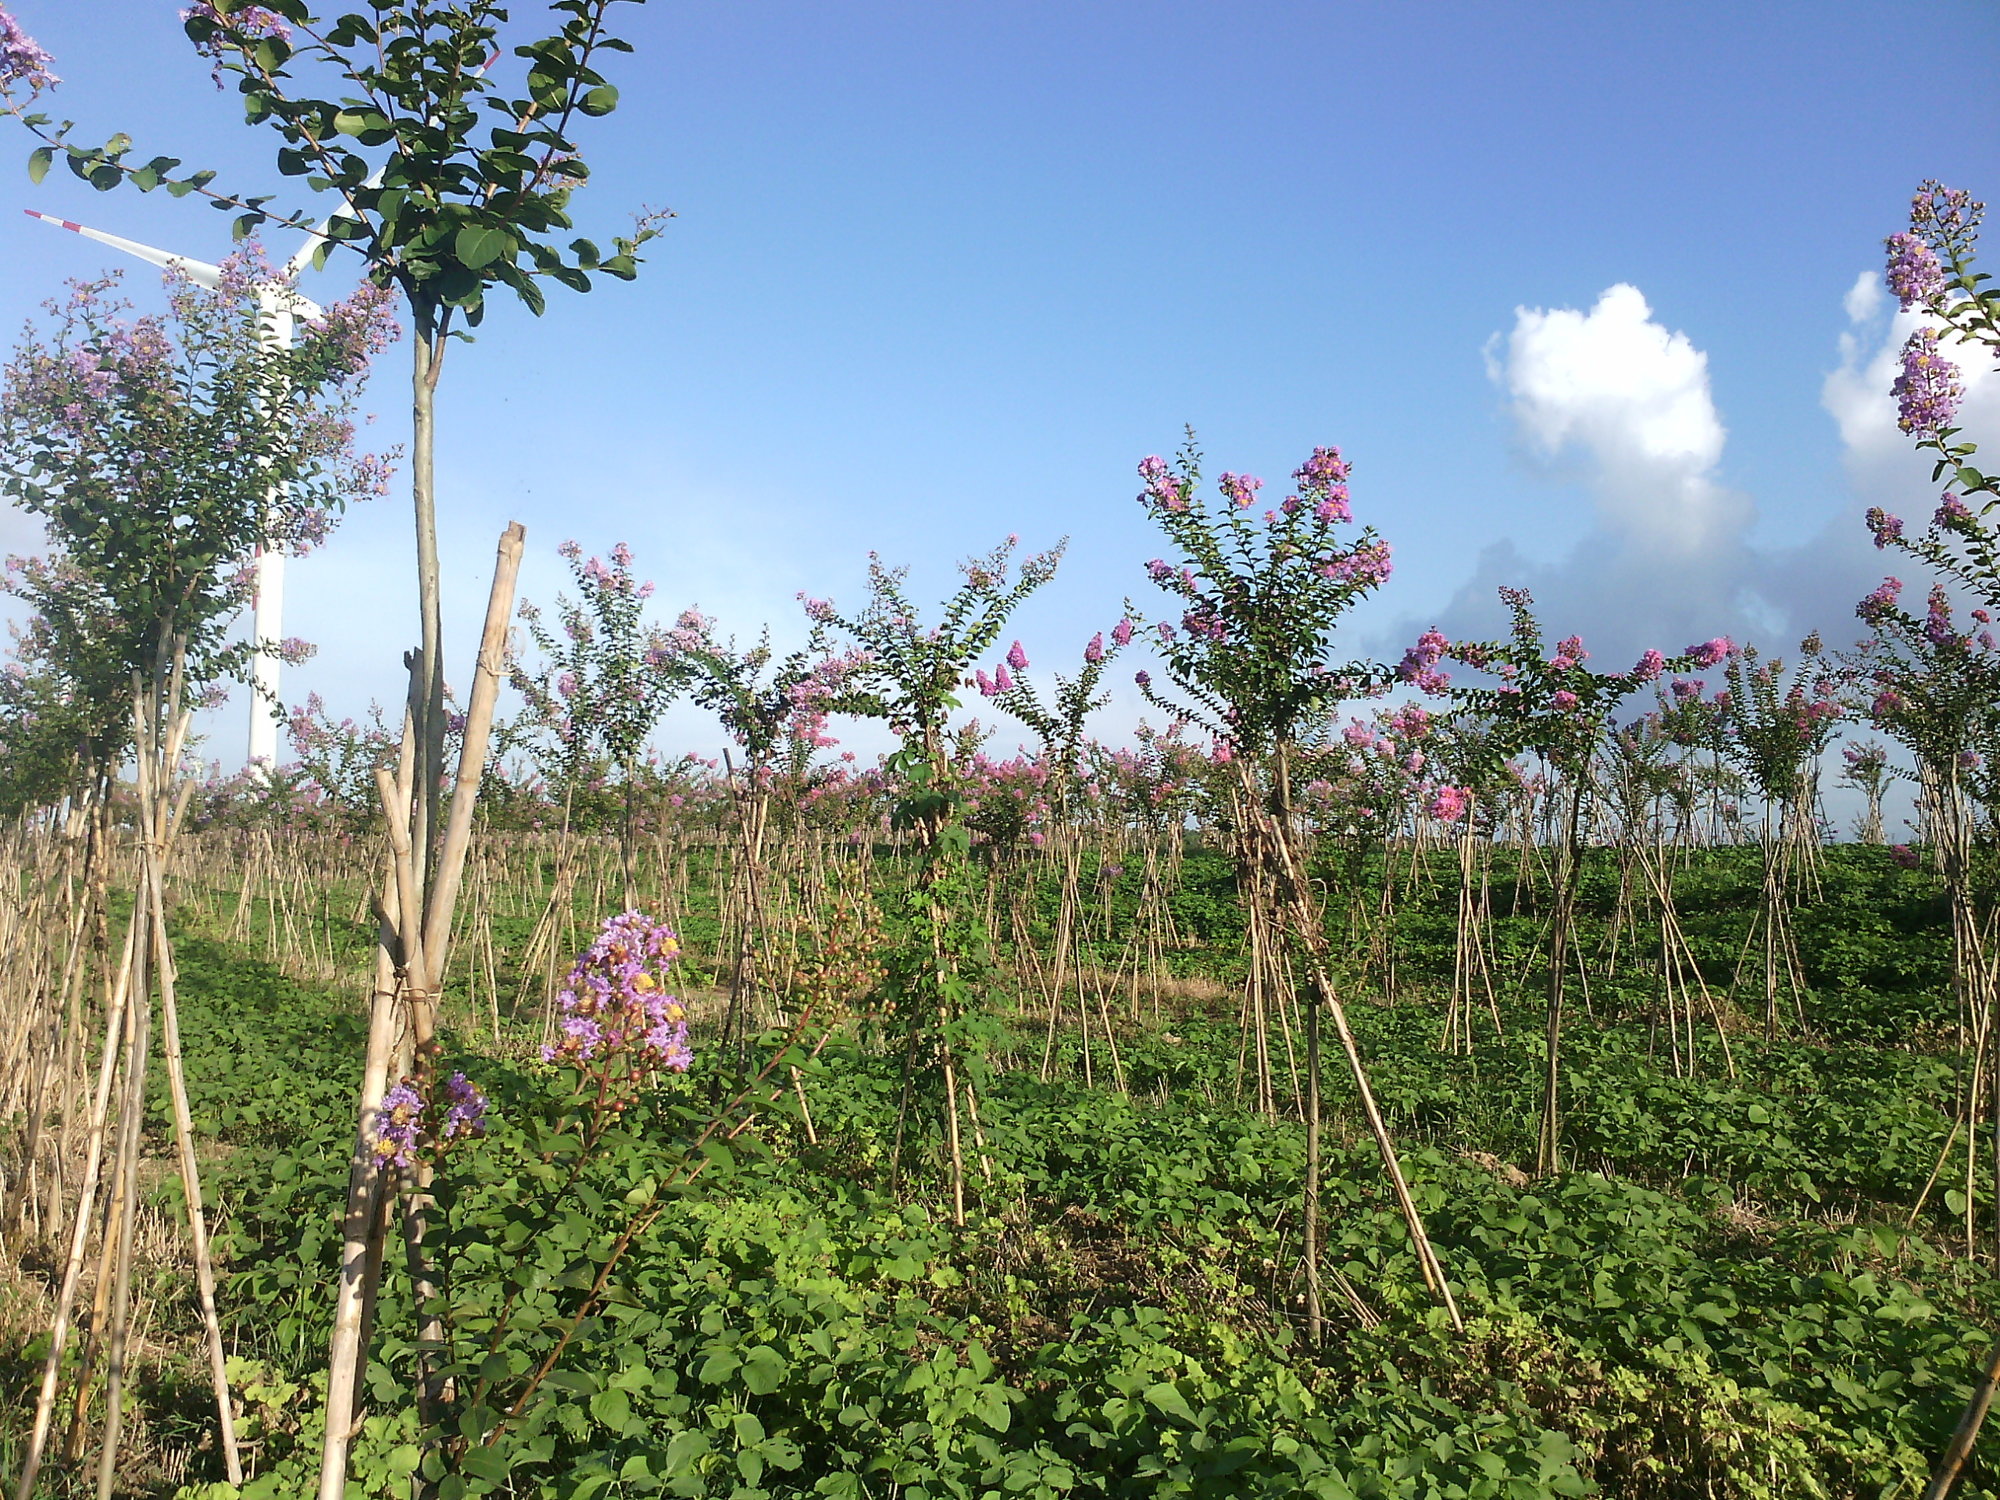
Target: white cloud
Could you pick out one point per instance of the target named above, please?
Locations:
(1632, 397)
(1669, 561)
(1864, 299)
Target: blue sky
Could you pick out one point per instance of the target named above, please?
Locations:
(942, 273)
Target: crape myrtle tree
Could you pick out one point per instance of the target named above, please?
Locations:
(1478, 787)
(1922, 668)
(775, 708)
(1865, 767)
(46, 728)
(161, 453)
(1645, 779)
(910, 675)
(1936, 691)
(337, 758)
(1778, 726)
(1261, 591)
(451, 181)
(1547, 704)
(1060, 726)
(1935, 687)
(603, 682)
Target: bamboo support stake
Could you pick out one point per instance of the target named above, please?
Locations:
(361, 1229)
(93, 1172)
(138, 1030)
(443, 896)
(204, 1266)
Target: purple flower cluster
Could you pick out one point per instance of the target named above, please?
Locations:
(1930, 387)
(1884, 527)
(1878, 604)
(236, 29)
(358, 327)
(1945, 210)
(1865, 759)
(1367, 566)
(465, 1110)
(407, 1121)
(614, 1003)
(21, 59)
(1325, 475)
(1241, 489)
(1914, 273)
(248, 21)
(1938, 627)
(1953, 514)
(398, 1125)
(1204, 623)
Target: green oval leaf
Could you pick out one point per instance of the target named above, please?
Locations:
(477, 246)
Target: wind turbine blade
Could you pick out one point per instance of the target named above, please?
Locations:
(199, 272)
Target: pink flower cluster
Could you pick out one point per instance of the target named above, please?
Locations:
(1164, 490)
(1419, 664)
(1448, 803)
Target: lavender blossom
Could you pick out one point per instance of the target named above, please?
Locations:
(1914, 273)
(1884, 527)
(1878, 604)
(614, 1003)
(398, 1125)
(22, 60)
(466, 1115)
(1953, 514)
(1929, 389)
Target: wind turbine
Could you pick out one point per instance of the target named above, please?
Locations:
(279, 307)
